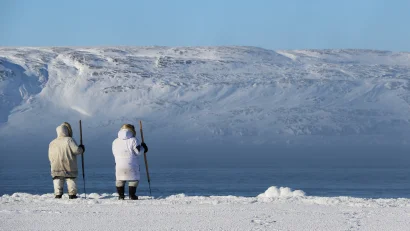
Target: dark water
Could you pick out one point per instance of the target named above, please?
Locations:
(369, 173)
(357, 182)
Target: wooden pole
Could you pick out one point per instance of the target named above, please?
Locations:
(145, 159)
(82, 158)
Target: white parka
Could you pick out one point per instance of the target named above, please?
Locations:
(62, 153)
(126, 153)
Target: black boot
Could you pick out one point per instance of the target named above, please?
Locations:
(58, 196)
(120, 191)
(72, 197)
(132, 191)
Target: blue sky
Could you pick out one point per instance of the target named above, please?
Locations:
(274, 24)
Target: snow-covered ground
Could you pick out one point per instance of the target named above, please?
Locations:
(276, 209)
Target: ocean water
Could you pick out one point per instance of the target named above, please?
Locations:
(357, 182)
(367, 176)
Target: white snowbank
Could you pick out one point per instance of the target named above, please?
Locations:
(275, 209)
(273, 191)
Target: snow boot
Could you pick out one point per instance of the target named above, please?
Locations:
(58, 196)
(132, 191)
(120, 191)
(72, 197)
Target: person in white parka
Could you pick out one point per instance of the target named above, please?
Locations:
(126, 149)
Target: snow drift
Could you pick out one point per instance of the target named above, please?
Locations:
(273, 192)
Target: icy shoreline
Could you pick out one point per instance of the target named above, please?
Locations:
(105, 198)
(267, 211)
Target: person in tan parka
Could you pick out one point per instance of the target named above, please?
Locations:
(62, 153)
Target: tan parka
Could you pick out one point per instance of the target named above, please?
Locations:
(62, 153)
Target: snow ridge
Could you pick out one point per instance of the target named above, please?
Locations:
(272, 194)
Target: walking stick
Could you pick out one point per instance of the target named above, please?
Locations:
(82, 158)
(145, 159)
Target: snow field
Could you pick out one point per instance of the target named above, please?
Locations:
(275, 209)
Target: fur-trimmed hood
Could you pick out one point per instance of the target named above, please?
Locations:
(129, 127)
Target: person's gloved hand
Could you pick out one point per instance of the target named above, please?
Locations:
(82, 146)
(144, 145)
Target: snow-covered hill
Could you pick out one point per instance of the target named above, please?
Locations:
(202, 94)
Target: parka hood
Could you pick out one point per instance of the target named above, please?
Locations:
(70, 131)
(62, 131)
(125, 134)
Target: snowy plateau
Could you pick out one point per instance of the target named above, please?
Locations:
(200, 94)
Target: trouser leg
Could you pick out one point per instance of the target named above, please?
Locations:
(58, 183)
(133, 183)
(72, 186)
(119, 183)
